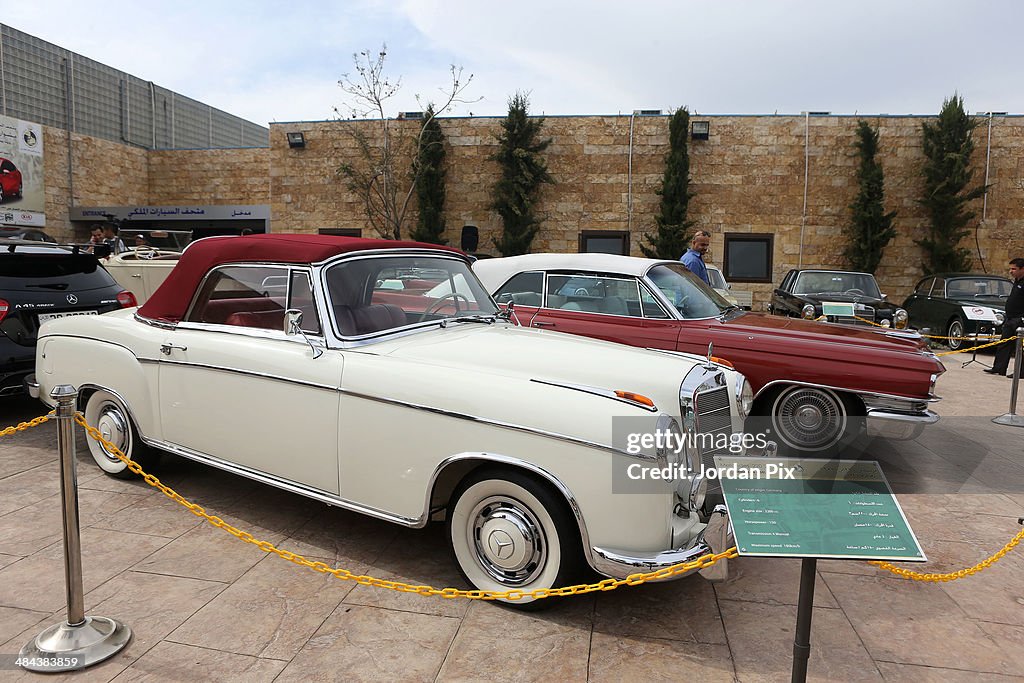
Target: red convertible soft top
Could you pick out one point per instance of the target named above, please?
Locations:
(170, 301)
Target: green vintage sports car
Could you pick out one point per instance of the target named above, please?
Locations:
(959, 305)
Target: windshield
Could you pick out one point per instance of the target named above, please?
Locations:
(978, 287)
(717, 280)
(374, 295)
(688, 293)
(834, 282)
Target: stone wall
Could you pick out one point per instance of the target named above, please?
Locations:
(748, 177)
(209, 176)
(105, 173)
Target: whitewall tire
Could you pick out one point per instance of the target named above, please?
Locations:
(106, 413)
(510, 531)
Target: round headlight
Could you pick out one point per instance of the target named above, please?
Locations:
(808, 311)
(899, 319)
(885, 323)
(1000, 318)
(744, 396)
(670, 442)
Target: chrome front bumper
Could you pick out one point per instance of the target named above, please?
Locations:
(715, 538)
(899, 426)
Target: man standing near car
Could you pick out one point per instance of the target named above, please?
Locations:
(1013, 318)
(110, 237)
(694, 256)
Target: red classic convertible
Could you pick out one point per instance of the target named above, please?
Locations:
(816, 382)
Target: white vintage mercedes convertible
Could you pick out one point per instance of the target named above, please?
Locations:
(379, 377)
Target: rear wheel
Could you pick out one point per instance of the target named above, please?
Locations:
(812, 419)
(510, 531)
(104, 412)
(955, 332)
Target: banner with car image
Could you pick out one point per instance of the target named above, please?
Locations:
(22, 199)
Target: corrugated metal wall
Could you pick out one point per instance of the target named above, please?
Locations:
(36, 78)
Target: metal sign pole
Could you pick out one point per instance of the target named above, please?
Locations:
(80, 641)
(804, 611)
(1012, 418)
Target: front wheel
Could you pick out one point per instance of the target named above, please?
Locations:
(955, 332)
(104, 412)
(812, 419)
(509, 531)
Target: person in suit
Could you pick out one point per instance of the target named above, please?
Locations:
(1012, 318)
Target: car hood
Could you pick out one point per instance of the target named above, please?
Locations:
(506, 355)
(796, 330)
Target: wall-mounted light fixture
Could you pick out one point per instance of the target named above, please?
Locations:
(296, 140)
(700, 130)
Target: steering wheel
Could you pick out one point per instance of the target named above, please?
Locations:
(856, 292)
(581, 291)
(436, 306)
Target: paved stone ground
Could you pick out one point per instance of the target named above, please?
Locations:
(205, 606)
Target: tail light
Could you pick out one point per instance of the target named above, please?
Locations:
(4, 307)
(126, 299)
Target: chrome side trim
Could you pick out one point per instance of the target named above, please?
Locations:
(498, 423)
(597, 391)
(847, 390)
(536, 469)
(247, 373)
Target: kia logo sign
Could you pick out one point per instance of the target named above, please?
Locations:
(72, 299)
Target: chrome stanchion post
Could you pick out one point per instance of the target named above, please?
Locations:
(80, 641)
(1012, 418)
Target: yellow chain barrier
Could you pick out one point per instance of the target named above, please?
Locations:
(512, 595)
(947, 353)
(26, 425)
(952, 576)
(346, 575)
(975, 348)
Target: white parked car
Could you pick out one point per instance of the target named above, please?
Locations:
(296, 360)
(141, 271)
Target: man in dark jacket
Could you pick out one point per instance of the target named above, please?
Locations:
(1013, 318)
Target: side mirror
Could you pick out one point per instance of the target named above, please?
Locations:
(293, 321)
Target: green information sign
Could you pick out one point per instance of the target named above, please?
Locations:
(835, 509)
(836, 308)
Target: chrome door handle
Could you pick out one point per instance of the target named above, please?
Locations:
(541, 323)
(166, 348)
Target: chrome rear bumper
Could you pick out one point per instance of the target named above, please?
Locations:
(715, 538)
(32, 385)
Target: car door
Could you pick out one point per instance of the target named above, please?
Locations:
(616, 308)
(783, 302)
(917, 305)
(235, 387)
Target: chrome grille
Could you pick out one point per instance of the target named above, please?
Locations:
(713, 418)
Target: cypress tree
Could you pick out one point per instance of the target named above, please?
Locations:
(429, 174)
(871, 228)
(523, 171)
(947, 173)
(672, 235)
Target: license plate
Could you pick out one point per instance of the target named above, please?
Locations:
(43, 317)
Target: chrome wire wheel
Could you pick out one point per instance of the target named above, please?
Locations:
(809, 418)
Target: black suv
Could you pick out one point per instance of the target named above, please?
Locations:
(38, 282)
